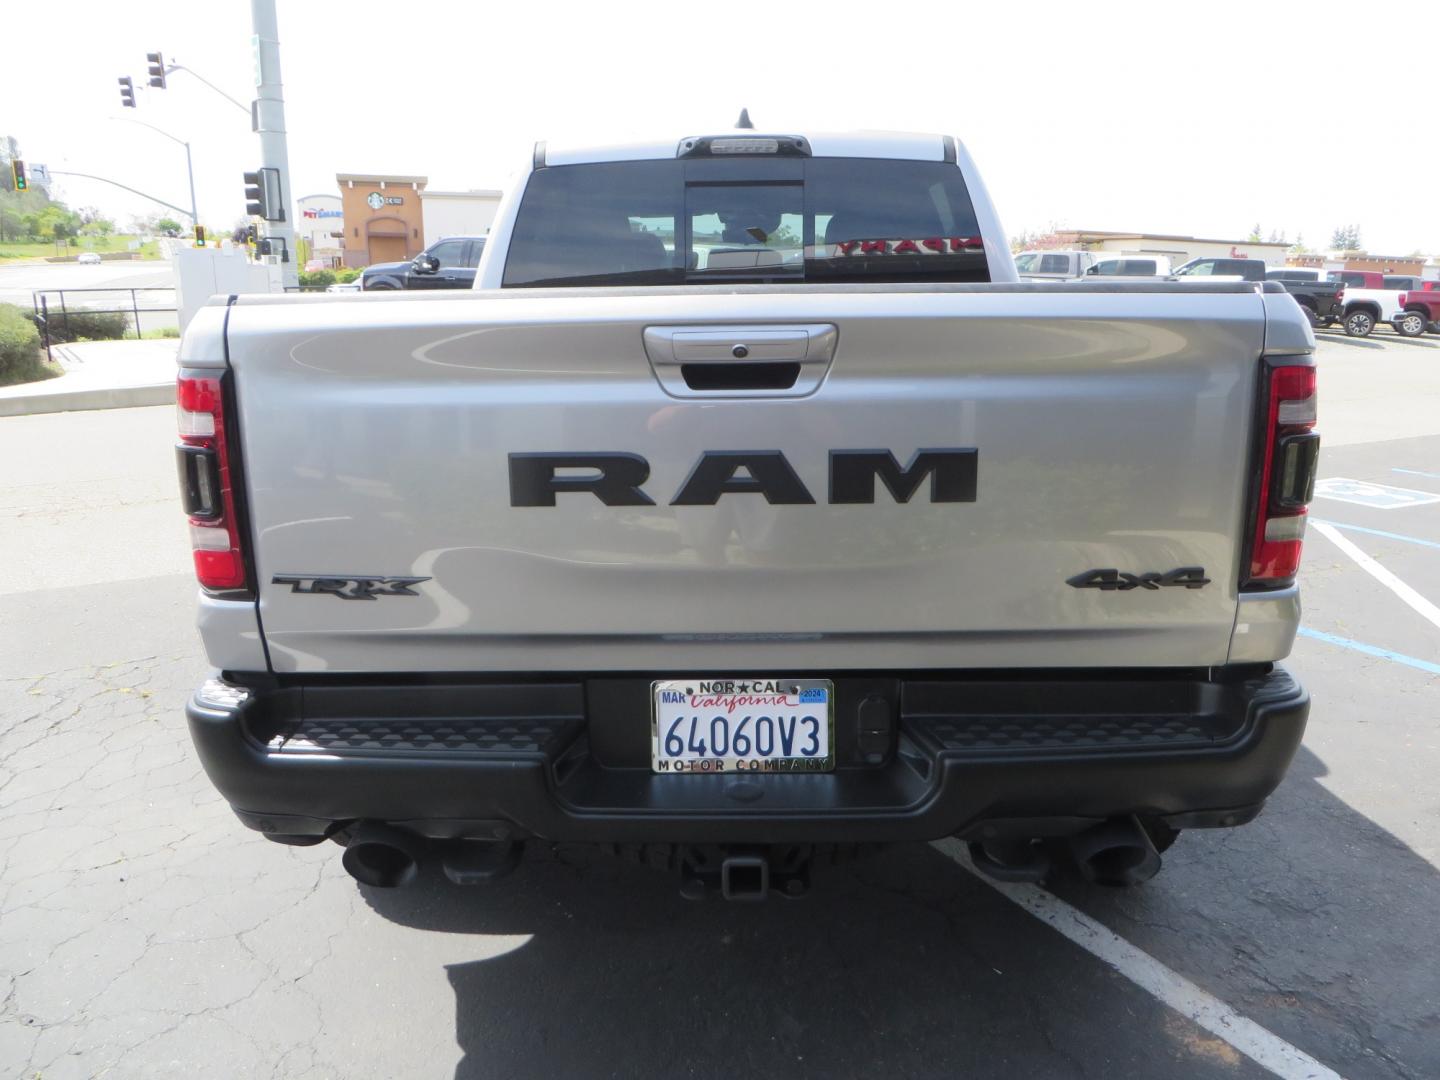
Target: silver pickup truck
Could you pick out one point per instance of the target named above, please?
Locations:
(749, 512)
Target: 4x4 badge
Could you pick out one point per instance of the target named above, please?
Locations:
(1191, 577)
(349, 588)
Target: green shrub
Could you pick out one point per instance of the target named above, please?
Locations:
(317, 279)
(85, 325)
(19, 348)
(346, 275)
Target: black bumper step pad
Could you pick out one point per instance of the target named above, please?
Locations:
(1008, 733)
(484, 735)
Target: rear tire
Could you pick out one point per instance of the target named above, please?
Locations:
(1410, 324)
(1310, 316)
(1359, 324)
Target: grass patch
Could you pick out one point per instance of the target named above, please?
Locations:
(162, 332)
(15, 249)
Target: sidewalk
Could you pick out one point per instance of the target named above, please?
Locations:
(100, 375)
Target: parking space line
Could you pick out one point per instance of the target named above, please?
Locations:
(1418, 472)
(1166, 985)
(1407, 595)
(1375, 532)
(1370, 650)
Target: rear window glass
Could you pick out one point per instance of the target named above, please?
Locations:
(707, 220)
(1354, 280)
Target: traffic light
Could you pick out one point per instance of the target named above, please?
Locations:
(254, 195)
(127, 92)
(17, 170)
(252, 233)
(199, 235)
(262, 195)
(157, 69)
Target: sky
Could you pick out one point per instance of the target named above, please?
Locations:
(1200, 119)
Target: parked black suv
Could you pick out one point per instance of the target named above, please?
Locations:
(445, 264)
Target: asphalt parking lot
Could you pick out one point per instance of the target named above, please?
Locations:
(145, 933)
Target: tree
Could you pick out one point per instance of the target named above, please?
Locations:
(168, 227)
(9, 150)
(1346, 238)
(1299, 248)
(1255, 234)
(1031, 240)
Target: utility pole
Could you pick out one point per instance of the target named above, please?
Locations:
(269, 123)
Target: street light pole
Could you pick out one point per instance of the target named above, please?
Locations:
(189, 167)
(269, 124)
(116, 183)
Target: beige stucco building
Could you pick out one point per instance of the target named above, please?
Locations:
(1179, 249)
(383, 217)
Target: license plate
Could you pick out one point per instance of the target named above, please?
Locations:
(762, 725)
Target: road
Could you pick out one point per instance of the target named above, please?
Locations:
(20, 280)
(144, 933)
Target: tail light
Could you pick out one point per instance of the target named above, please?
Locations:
(1290, 452)
(1403, 298)
(207, 483)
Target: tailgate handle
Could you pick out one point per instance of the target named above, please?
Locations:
(765, 376)
(695, 361)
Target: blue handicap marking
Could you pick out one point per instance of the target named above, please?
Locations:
(1375, 496)
(812, 695)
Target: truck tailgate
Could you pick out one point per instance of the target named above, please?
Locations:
(1110, 430)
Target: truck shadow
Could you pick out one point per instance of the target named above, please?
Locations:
(1345, 339)
(1412, 343)
(906, 964)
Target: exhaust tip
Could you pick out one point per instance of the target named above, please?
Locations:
(382, 857)
(1010, 860)
(1116, 853)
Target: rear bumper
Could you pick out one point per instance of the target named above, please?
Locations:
(974, 754)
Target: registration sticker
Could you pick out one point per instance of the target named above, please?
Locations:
(748, 725)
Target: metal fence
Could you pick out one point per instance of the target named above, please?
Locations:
(61, 314)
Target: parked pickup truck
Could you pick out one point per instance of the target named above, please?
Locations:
(1131, 266)
(446, 264)
(1419, 310)
(1321, 300)
(843, 537)
(1369, 300)
(1053, 265)
(1224, 269)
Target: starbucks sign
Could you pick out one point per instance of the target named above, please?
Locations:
(376, 201)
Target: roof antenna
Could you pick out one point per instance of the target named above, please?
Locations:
(744, 121)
